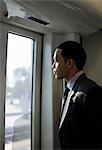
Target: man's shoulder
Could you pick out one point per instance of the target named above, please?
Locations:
(85, 84)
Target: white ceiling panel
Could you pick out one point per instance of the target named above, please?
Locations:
(82, 16)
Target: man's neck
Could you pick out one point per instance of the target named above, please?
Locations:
(72, 74)
(72, 81)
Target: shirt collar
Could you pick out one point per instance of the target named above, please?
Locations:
(73, 79)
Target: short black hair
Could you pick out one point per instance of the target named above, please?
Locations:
(72, 49)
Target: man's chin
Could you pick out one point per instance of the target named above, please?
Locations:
(58, 77)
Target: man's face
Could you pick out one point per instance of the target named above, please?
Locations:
(59, 65)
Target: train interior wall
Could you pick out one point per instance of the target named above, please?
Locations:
(93, 46)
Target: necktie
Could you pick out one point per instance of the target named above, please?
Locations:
(64, 98)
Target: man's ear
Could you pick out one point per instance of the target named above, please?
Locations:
(70, 63)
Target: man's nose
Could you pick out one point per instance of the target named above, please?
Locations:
(53, 65)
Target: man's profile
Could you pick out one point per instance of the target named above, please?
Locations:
(80, 118)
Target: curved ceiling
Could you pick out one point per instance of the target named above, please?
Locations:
(63, 16)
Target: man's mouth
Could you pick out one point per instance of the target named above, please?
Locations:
(54, 72)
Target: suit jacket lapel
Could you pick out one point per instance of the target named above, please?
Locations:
(70, 96)
(66, 108)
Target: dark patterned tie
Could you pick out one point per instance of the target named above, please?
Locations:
(65, 98)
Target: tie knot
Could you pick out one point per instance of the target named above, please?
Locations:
(66, 92)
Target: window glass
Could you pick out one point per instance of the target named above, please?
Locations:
(18, 92)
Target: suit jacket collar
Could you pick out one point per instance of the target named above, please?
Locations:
(80, 78)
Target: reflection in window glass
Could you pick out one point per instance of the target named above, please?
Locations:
(18, 93)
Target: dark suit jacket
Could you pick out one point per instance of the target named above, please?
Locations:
(82, 127)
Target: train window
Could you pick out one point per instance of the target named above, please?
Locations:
(18, 92)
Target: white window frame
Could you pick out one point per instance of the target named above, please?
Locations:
(5, 28)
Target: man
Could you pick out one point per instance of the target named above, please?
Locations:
(80, 123)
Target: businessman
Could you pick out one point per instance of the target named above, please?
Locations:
(80, 124)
